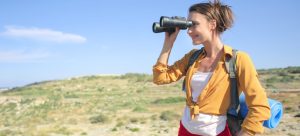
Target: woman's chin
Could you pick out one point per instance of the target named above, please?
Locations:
(196, 43)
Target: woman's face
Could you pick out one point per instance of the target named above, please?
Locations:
(202, 29)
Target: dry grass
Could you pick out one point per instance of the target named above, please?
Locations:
(126, 105)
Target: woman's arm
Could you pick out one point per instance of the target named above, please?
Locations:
(256, 98)
(162, 73)
(167, 47)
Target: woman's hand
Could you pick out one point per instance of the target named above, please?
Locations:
(244, 133)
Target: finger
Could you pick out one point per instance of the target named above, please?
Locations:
(177, 30)
(166, 34)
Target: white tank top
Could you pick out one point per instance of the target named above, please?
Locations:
(202, 124)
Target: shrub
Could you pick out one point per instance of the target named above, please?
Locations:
(282, 74)
(134, 129)
(136, 77)
(169, 100)
(119, 124)
(83, 134)
(70, 95)
(26, 101)
(100, 89)
(271, 80)
(64, 131)
(288, 109)
(91, 78)
(293, 70)
(134, 120)
(139, 109)
(287, 79)
(9, 107)
(297, 115)
(168, 115)
(99, 119)
(114, 129)
(268, 85)
(153, 117)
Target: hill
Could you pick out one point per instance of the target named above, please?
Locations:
(124, 105)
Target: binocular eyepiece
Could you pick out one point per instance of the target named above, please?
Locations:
(169, 24)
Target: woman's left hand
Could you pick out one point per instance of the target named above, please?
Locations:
(244, 133)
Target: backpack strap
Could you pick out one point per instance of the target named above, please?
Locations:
(192, 59)
(234, 117)
(230, 64)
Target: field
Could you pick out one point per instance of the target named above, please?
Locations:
(126, 105)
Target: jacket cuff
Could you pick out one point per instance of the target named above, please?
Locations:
(249, 132)
(160, 67)
(253, 127)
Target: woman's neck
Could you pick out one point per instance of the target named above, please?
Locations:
(213, 48)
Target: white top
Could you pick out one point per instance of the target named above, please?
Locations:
(202, 124)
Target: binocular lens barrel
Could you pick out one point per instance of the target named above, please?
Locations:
(176, 21)
(169, 24)
(156, 28)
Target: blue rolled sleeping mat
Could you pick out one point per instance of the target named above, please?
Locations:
(276, 111)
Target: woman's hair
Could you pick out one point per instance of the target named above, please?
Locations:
(215, 11)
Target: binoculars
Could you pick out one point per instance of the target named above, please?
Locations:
(169, 24)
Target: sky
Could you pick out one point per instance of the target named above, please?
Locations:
(60, 39)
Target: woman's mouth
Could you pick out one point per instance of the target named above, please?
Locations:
(195, 37)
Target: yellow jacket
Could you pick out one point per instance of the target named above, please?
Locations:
(215, 97)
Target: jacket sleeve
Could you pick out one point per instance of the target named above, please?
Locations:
(164, 74)
(256, 98)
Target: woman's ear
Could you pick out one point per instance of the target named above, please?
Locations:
(213, 24)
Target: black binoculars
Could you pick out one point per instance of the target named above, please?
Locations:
(169, 24)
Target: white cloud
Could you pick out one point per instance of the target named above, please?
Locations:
(42, 34)
(22, 56)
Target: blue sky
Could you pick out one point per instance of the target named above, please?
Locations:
(48, 40)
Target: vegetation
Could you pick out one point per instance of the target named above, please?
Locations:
(111, 105)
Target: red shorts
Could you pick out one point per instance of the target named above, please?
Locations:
(183, 132)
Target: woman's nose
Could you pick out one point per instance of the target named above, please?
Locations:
(189, 30)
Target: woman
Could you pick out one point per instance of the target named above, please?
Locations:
(208, 84)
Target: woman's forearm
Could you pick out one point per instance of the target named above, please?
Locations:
(167, 47)
(164, 54)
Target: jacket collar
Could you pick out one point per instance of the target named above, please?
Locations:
(227, 52)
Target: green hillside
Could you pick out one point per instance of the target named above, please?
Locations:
(124, 105)
(281, 78)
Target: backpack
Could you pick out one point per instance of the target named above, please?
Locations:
(234, 118)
